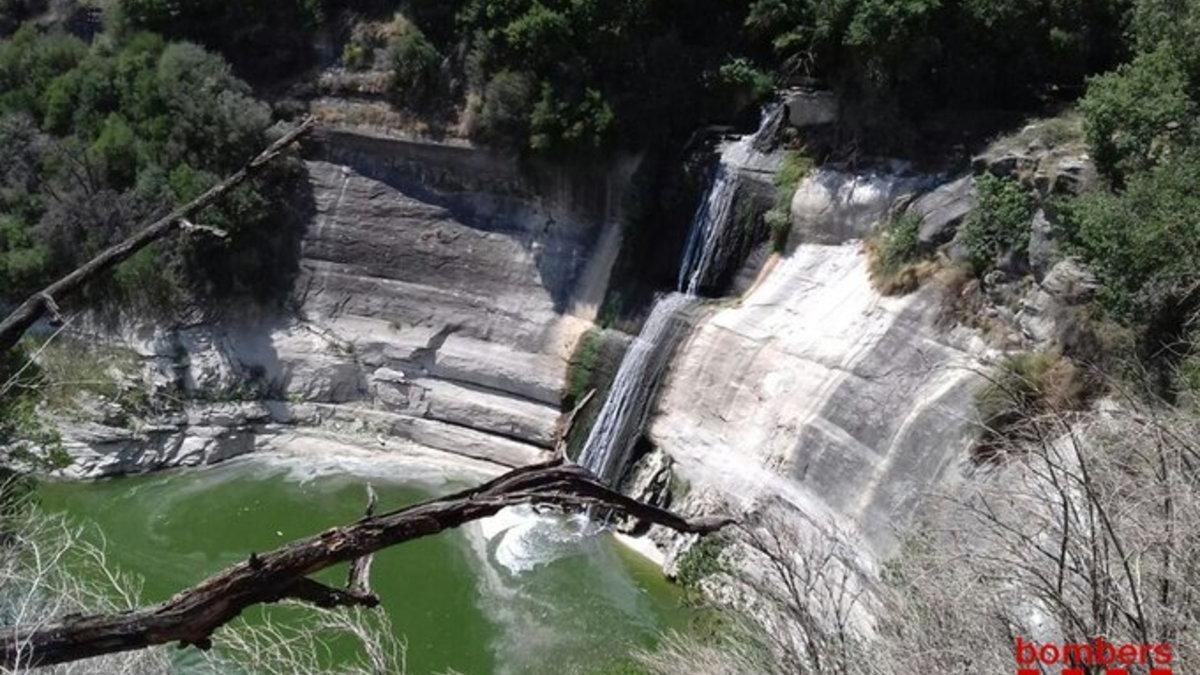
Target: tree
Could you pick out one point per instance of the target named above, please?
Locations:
(1143, 243)
(44, 303)
(1139, 114)
(415, 66)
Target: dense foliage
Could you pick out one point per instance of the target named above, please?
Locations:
(1143, 242)
(1142, 235)
(96, 140)
(265, 37)
(905, 57)
(601, 71)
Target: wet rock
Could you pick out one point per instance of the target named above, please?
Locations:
(817, 391)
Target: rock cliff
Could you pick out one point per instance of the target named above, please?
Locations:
(441, 289)
(815, 389)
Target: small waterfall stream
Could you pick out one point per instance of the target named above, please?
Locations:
(705, 253)
(624, 414)
(625, 410)
(708, 225)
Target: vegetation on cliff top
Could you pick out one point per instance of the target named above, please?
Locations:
(96, 139)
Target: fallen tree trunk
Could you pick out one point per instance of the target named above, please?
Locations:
(191, 617)
(45, 301)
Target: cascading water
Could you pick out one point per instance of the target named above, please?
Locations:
(705, 251)
(521, 541)
(623, 416)
(624, 413)
(707, 227)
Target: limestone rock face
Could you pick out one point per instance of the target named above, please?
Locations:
(440, 292)
(1051, 166)
(832, 206)
(811, 108)
(817, 391)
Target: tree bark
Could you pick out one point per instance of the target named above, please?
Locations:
(45, 301)
(191, 616)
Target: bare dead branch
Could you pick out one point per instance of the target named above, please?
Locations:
(359, 580)
(567, 423)
(188, 226)
(192, 616)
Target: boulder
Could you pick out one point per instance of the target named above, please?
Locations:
(1071, 281)
(832, 206)
(942, 210)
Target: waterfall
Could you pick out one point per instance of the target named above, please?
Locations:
(627, 406)
(704, 254)
(708, 225)
(624, 414)
(773, 116)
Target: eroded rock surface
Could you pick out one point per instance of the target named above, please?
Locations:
(817, 390)
(441, 290)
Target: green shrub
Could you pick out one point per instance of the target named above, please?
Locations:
(795, 167)
(539, 36)
(638, 73)
(143, 283)
(30, 62)
(897, 263)
(129, 129)
(1027, 385)
(116, 150)
(900, 243)
(264, 37)
(779, 224)
(1172, 26)
(1000, 223)
(356, 56)
(747, 82)
(415, 66)
(507, 103)
(23, 260)
(560, 127)
(702, 560)
(1139, 114)
(899, 58)
(1143, 243)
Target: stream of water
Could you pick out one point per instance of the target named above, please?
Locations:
(483, 599)
(626, 409)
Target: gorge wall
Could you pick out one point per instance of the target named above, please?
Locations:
(442, 289)
(439, 296)
(816, 392)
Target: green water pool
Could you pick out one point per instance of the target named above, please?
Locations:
(476, 600)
